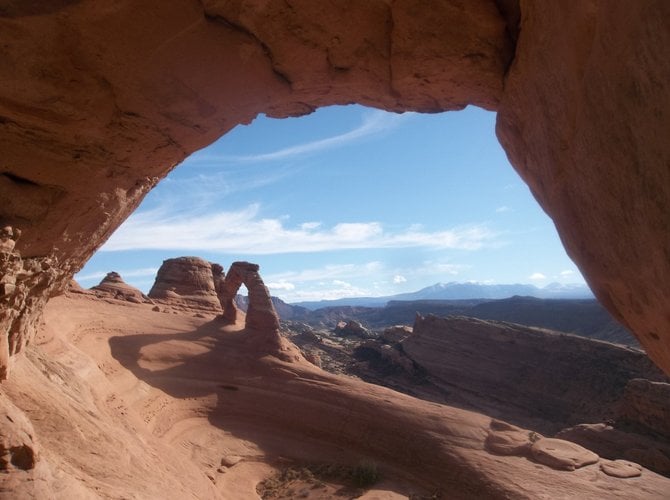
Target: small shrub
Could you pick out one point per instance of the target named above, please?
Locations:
(365, 474)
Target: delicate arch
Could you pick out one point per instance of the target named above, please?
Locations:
(261, 314)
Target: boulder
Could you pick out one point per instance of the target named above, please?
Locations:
(351, 328)
(620, 468)
(561, 454)
(396, 333)
(612, 443)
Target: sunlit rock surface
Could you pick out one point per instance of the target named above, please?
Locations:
(188, 283)
(100, 100)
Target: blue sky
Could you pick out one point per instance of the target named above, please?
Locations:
(348, 201)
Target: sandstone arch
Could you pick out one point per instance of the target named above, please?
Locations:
(261, 315)
(118, 95)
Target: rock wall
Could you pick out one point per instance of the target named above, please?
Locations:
(25, 287)
(582, 119)
(646, 405)
(95, 91)
(532, 377)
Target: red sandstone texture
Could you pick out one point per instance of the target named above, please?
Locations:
(113, 286)
(93, 90)
(581, 119)
(188, 284)
(146, 98)
(200, 410)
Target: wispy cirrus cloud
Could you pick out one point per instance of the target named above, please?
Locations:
(374, 122)
(245, 232)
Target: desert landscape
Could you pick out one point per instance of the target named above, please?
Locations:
(163, 396)
(111, 393)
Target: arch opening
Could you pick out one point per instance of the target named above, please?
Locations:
(352, 202)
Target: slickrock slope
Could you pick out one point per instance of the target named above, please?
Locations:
(534, 377)
(114, 287)
(188, 284)
(184, 407)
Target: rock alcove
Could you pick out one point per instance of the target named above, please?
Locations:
(117, 96)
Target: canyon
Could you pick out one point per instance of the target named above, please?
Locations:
(118, 94)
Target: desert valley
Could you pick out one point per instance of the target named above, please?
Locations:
(191, 391)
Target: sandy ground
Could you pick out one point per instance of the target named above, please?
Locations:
(131, 403)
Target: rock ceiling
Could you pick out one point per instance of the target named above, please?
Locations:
(100, 100)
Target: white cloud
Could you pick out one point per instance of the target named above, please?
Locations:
(245, 232)
(567, 273)
(374, 122)
(399, 278)
(282, 285)
(131, 273)
(327, 273)
(502, 209)
(309, 225)
(537, 277)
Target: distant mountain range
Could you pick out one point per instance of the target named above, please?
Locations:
(462, 291)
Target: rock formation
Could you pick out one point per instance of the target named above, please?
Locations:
(351, 327)
(640, 430)
(96, 92)
(396, 333)
(200, 413)
(261, 315)
(18, 444)
(557, 77)
(25, 287)
(538, 378)
(646, 405)
(652, 452)
(188, 283)
(113, 286)
(605, 182)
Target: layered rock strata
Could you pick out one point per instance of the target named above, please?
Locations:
(25, 287)
(188, 283)
(646, 405)
(539, 378)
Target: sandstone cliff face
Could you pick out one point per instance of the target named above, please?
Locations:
(646, 405)
(523, 374)
(25, 287)
(188, 283)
